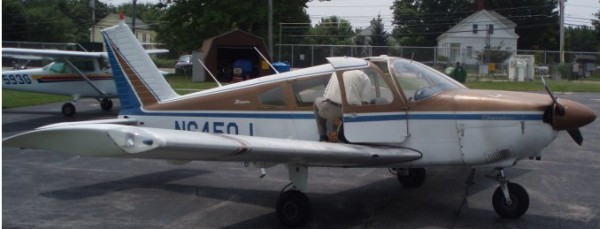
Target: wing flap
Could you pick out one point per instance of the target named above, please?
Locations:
(139, 142)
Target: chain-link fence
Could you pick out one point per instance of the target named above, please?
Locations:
(546, 62)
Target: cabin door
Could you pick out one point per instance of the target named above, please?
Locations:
(377, 117)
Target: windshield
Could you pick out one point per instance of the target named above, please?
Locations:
(419, 81)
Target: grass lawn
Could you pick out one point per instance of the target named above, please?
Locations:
(557, 86)
(11, 99)
(183, 85)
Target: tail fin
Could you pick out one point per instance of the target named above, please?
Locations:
(139, 82)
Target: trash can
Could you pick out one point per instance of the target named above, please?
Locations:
(281, 66)
(460, 74)
(457, 73)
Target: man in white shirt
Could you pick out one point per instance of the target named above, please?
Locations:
(329, 107)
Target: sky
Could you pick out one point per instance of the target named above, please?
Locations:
(360, 12)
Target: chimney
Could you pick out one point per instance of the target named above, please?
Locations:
(480, 5)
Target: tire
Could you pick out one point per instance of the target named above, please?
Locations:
(414, 179)
(293, 209)
(106, 104)
(520, 201)
(68, 109)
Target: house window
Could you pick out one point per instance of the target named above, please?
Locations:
(491, 28)
(474, 28)
(469, 51)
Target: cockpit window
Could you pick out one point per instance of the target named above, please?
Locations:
(273, 97)
(419, 81)
(375, 90)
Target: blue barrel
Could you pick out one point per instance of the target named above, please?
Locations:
(282, 66)
(244, 64)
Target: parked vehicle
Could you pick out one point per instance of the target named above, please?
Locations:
(184, 64)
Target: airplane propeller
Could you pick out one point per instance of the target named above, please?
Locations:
(567, 115)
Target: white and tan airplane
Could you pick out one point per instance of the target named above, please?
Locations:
(420, 118)
(73, 73)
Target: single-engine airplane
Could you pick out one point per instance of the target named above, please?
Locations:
(418, 118)
(73, 73)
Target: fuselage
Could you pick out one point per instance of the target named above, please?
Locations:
(450, 125)
(61, 79)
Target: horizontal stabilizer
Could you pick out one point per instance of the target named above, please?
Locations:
(139, 142)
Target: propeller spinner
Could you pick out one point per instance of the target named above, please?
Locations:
(567, 115)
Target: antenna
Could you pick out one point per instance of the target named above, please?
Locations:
(266, 60)
(210, 73)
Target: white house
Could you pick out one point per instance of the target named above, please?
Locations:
(465, 40)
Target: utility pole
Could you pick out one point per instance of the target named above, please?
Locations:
(93, 6)
(562, 31)
(133, 19)
(271, 29)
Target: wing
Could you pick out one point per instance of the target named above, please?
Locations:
(51, 54)
(111, 140)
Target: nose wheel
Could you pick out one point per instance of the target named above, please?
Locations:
(510, 200)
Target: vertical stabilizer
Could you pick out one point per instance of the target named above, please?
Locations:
(139, 82)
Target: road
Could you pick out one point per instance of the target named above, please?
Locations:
(49, 190)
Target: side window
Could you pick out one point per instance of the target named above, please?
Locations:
(307, 90)
(272, 97)
(57, 67)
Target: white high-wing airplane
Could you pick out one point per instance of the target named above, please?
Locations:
(420, 118)
(73, 73)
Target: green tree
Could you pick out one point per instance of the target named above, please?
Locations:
(332, 31)
(379, 37)
(14, 21)
(48, 23)
(596, 24)
(49, 20)
(580, 39)
(185, 24)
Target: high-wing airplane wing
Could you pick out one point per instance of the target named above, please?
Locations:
(110, 140)
(50, 54)
(22, 53)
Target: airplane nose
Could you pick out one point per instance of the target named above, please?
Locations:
(575, 115)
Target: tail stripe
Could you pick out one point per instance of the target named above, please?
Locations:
(139, 82)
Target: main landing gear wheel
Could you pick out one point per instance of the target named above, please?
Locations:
(411, 178)
(106, 104)
(68, 109)
(518, 205)
(293, 208)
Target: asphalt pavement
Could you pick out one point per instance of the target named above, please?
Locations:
(42, 189)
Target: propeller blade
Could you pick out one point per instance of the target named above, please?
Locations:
(576, 135)
(559, 108)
